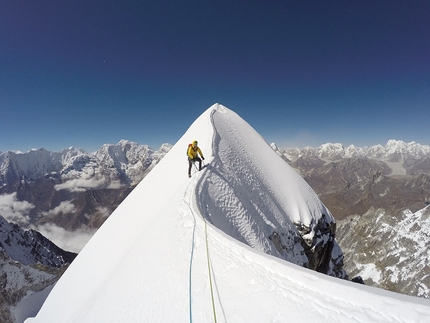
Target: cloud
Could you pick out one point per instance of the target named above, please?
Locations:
(64, 208)
(15, 211)
(18, 212)
(80, 184)
(104, 211)
(115, 185)
(68, 240)
(83, 184)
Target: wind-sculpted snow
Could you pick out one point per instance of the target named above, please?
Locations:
(252, 194)
(157, 258)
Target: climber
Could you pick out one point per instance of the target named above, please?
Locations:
(192, 153)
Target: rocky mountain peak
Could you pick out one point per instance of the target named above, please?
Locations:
(388, 250)
(29, 262)
(30, 247)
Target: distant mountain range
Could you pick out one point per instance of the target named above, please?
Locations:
(395, 151)
(348, 180)
(375, 193)
(125, 162)
(94, 183)
(352, 180)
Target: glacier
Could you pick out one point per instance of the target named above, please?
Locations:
(198, 250)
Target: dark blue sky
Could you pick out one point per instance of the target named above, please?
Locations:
(85, 73)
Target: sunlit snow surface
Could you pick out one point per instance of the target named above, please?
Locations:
(149, 261)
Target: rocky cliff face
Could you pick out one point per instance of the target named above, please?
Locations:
(313, 247)
(322, 250)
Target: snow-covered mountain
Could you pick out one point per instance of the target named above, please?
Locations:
(394, 151)
(28, 263)
(30, 247)
(389, 251)
(124, 163)
(33, 164)
(213, 247)
(18, 280)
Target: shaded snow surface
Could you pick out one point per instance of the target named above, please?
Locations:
(30, 305)
(149, 261)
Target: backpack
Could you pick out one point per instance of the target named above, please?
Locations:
(189, 145)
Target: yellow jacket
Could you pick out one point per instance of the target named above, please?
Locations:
(192, 152)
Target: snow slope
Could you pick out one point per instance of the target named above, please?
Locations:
(166, 263)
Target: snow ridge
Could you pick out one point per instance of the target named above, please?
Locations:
(146, 275)
(243, 196)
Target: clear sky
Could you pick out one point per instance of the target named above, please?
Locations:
(85, 73)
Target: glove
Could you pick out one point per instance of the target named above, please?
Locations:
(203, 158)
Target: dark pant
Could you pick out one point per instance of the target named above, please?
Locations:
(191, 161)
